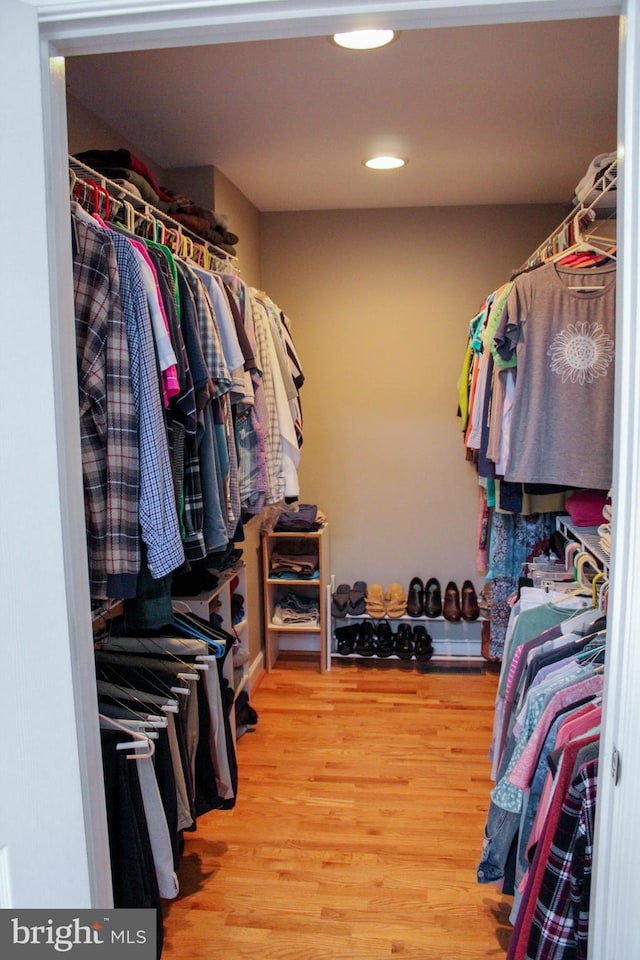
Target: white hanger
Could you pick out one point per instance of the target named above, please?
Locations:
(138, 742)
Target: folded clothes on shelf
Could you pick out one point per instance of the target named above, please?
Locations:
(305, 519)
(297, 556)
(292, 608)
(294, 575)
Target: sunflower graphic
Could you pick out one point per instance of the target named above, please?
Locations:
(581, 353)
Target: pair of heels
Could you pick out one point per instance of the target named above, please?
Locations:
(349, 601)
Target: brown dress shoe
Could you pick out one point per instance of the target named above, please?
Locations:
(451, 608)
(470, 609)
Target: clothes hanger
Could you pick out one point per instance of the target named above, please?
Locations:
(186, 247)
(154, 646)
(126, 714)
(583, 560)
(570, 550)
(145, 675)
(115, 690)
(146, 665)
(603, 596)
(138, 743)
(594, 586)
(189, 629)
(103, 194)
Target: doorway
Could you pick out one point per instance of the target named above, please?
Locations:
(159, 26)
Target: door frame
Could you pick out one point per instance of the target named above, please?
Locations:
(91, 26)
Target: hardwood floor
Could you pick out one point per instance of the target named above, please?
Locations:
(356, 835)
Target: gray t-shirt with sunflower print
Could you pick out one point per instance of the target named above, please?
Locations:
(560, 322)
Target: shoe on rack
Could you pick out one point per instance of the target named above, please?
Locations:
(469, 602)
(346, 638)
(364, 643)
(396, 600)
(433, 598)
(422, 645)
(383, 643)
(451, 608)
(340, 601)
(415, 598)
(403, 643)
(375, 602)
(358, 599)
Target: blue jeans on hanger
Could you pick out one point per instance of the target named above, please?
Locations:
(500, 829)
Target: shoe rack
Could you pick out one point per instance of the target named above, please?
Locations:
(463, 639)
(295, 636)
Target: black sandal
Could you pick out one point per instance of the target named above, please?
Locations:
(422, 645)
(346, 638)
(364, 644)
(384, 639)
(403, 644)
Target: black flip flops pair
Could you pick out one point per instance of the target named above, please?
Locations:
(349, 601)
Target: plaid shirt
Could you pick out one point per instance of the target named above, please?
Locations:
(108, 420)
(271, 428)
(212, 348)
(252, 470)
(157, 506)
(560, 928)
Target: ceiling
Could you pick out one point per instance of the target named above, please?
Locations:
(510, 113)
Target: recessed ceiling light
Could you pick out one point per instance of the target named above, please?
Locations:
(364, 39)
(384, 163)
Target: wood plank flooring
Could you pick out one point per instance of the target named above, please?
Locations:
(356, 835)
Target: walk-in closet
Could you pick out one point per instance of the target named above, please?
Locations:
(330, 707)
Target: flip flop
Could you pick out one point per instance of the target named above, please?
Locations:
(358, 598)
(340, 601)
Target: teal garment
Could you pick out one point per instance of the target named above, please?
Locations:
(477, 324)
(531, 623)
(490, 493)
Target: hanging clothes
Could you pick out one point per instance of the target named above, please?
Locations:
(201, 430)
(560, 324)
(535, 397)
(546, 727)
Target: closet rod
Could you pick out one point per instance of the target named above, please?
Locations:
(578, 212)
(84, 174)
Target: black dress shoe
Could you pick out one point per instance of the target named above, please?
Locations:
(451, 608)
(422, 645)
(469, 602)
(432, 598)
(403, 643)
(415, 598)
